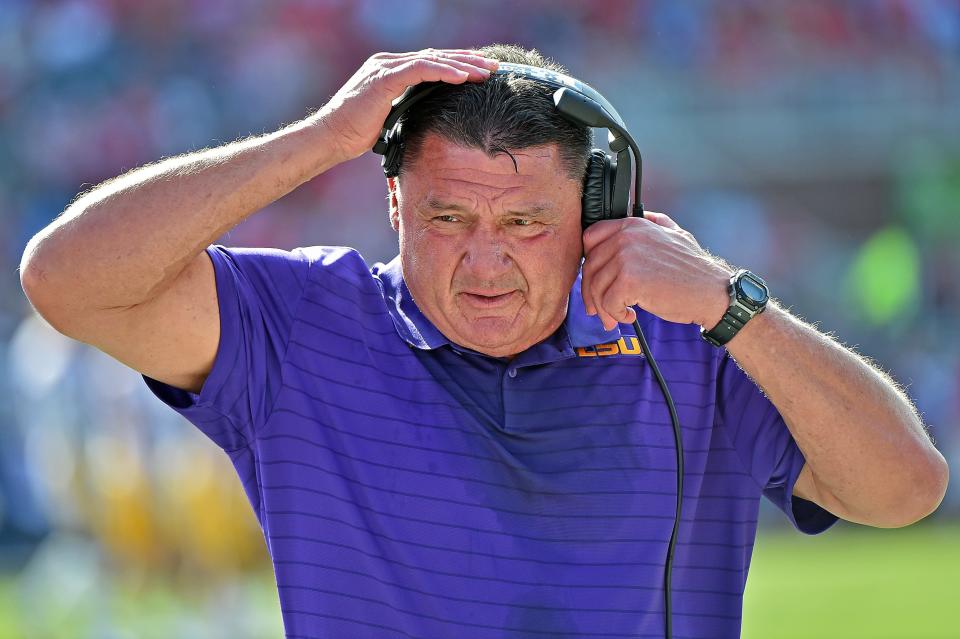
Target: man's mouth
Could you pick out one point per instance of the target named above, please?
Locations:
(488, 299)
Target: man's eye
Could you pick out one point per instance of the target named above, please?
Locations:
(520, 221)
(445, 218)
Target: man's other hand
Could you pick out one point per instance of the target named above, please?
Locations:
(655, 264)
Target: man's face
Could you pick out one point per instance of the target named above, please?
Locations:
(489, 250)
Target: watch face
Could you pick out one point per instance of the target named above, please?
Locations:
(752, 290)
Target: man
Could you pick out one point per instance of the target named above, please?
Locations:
(467, 441)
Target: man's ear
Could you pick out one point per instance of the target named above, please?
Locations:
(393, 204)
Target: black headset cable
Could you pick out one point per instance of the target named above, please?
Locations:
(668, 565)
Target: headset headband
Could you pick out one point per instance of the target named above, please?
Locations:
(417, 92)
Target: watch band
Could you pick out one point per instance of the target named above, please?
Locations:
(736, 315)
(726, 328)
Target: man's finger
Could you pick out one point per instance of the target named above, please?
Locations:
(609, 322)
(623, 314)
(599, 231)
(593, 263)
(601, 280)
(602, 251)
(616, 302)
(476, 59)
(662, 219)
(420, 70)
(411, 67)
(388, 55)
(586, 274)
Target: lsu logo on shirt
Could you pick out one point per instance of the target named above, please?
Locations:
(629, 345)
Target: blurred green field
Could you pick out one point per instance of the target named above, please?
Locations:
(855, 581)
(114, 609)
(850, 582)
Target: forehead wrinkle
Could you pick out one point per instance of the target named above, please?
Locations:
(471, 185)
(454, 191)
(482, 177)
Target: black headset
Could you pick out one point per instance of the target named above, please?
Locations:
(606, 185)
(606, 195)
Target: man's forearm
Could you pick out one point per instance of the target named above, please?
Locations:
(869, 454)
(123, 241)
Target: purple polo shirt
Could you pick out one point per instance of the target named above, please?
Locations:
(408, 487)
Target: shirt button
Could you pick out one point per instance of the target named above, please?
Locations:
(512, 372)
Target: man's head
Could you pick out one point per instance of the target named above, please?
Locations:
(487, 204)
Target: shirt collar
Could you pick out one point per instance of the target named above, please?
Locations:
(414, 327)
(583, 329)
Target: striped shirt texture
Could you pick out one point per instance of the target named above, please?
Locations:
(409, 487)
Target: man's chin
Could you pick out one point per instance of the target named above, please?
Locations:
(493, 336)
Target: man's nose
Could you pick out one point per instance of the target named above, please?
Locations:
(487, 256)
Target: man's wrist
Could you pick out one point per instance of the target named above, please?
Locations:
(719, 298)
(319, 142)
(748, 295)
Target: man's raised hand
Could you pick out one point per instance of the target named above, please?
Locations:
(355, 114)
(655, 264)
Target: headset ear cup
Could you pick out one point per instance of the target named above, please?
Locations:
(596, 189)
(393, 153)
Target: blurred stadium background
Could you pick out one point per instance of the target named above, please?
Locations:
(817, 143)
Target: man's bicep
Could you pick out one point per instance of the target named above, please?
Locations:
(173, 338)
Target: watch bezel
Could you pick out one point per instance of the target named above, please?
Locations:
(741, 296)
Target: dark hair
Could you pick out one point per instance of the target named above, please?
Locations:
(501, 113)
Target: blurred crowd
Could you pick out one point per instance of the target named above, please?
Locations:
(810, 142)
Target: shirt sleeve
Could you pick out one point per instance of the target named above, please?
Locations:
(258, 291)
(764, 444)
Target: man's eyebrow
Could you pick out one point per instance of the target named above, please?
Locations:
(532, 210)
(436, 204)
